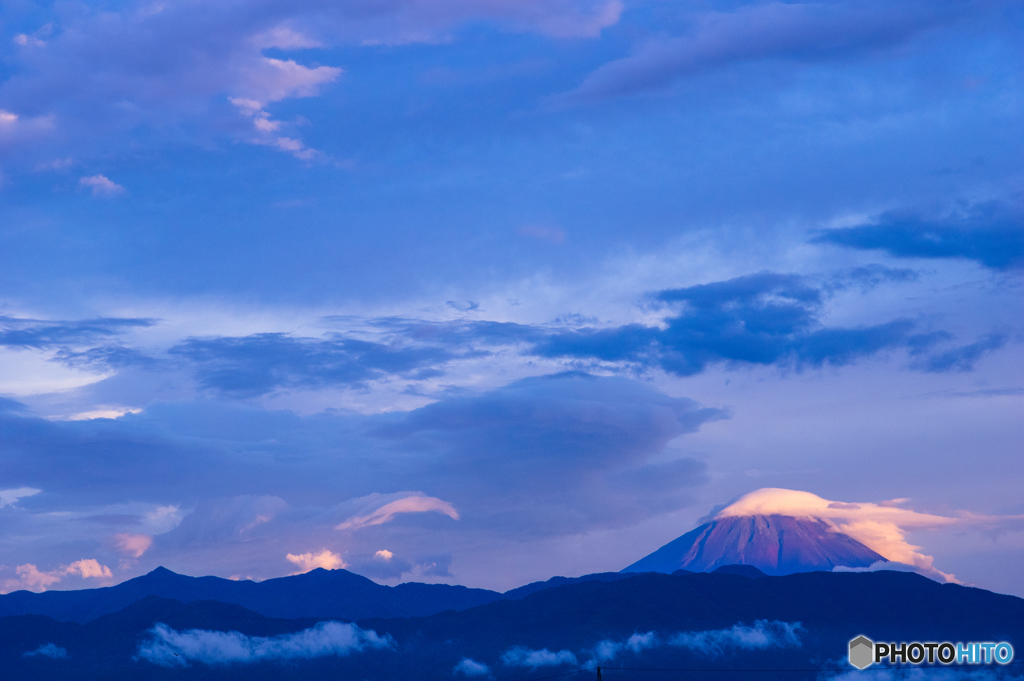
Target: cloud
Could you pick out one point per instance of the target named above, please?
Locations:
(272, 81)
(259, 364)
(387, 512)
(101, 185)
(105, 73)
(32, 578)
(16, 129)
(890, 566)
(133, 544)
(608, 650)
(276, 79)
(991, 234)
(546, 454)
(962, 358)
(311, 561)
(88, 567)
(39, 333)
(803, 32)
(51, 650)
(9, 497)
(519, 656)
(170, 648)
(470, 667)
(220, 521)
(757, 319)
(868, 277)
(26, 40)
(880, 527)
(764, 634)
(538, 458)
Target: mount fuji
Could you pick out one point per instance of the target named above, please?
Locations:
(752, 532)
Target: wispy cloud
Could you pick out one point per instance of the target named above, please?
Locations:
(170, 648)
(41, 333)
(144, 63)
(133, 544)
(9, 497)
(764, 634)
(519, 656)
(470, 667)
(258, 364)
(51, 650)
(387, 512)
(608, 650)
(759, 31)
(102, 185)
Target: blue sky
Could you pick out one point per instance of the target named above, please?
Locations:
(483, 292)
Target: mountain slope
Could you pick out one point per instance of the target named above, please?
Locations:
(775, 544)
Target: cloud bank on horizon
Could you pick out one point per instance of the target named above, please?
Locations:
(485, 292)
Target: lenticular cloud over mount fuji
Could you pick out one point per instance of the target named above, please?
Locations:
(782, 531)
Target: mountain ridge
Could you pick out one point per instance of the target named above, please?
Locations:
(336, 594)
(825, 610)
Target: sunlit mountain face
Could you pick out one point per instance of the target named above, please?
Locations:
(775, 544)
(784, 531)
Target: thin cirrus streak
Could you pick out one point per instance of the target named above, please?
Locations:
(801, 31)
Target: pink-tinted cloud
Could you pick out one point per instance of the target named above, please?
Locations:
(133, 544)
(387, 512)
(102, 185)
(171, 63)
(325, 559)
(30, 577)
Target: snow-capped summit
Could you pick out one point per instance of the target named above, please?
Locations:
(777, 531)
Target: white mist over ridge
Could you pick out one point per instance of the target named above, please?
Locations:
(762, 635)
(170, 648)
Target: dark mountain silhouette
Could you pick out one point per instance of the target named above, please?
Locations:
(748, 571)
(775, 544)
(324, 594)
(831, 609)
(534, 587)
(335, 594)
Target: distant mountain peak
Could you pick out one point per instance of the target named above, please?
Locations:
(775, 544)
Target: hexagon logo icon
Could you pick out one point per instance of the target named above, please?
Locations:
(862, 652)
